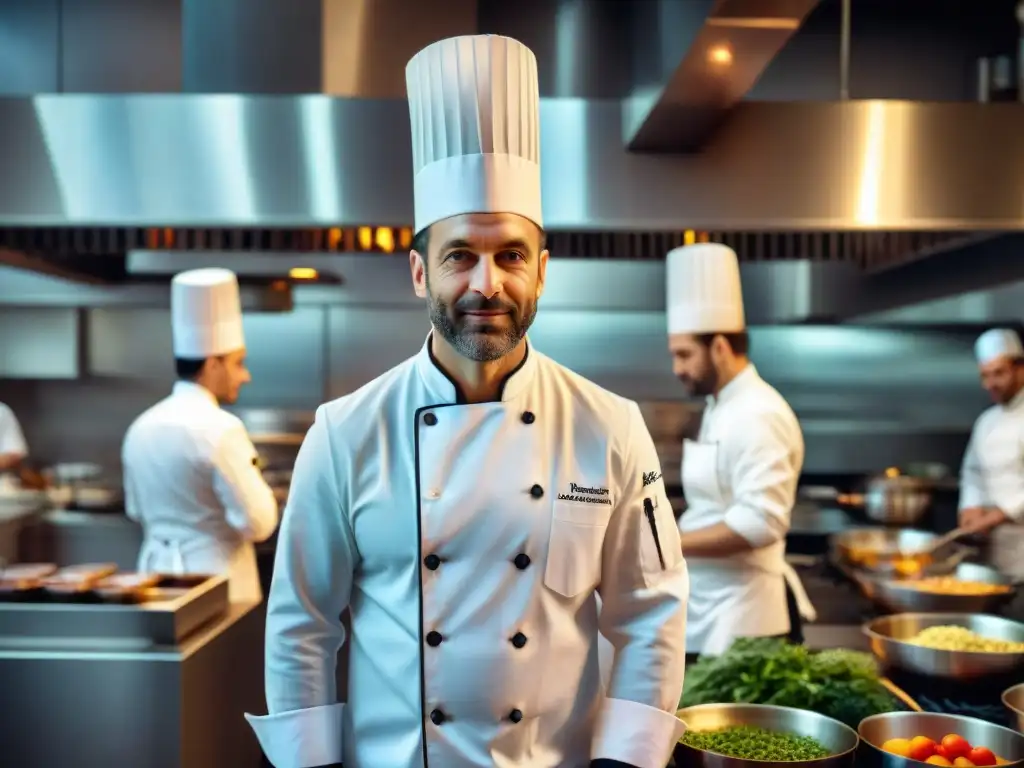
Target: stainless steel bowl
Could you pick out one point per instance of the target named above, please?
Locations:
(899, 596)
(877, 729)
(888, 635)
(831, 734)
(1013, 700)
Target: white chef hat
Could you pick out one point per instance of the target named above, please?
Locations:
(704, 294)
(997, 342)
(206, 313)
(474, 109)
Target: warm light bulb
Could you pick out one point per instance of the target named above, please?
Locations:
(302, 273)
(365, 237)
(386, 239)
(720, 54)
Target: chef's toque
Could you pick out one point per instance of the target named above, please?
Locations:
(206, 313)
(997, 342)
(704, 294)
(474, 109)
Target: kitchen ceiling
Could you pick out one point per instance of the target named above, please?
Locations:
(232, 151)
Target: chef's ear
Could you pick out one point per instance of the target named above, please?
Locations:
(542, 271)
(418, 269)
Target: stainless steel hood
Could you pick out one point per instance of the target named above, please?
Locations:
(717, 49)
(263, 161)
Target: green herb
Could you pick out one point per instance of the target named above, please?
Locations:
(840, 684)
(750, 743)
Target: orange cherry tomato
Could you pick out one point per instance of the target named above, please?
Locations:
(937, 760)
(899, 747)
(955, 745)
(982, 756)
(921, 748)
(963, 762)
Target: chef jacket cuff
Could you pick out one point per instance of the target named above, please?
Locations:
(758, 528)
(1015, 513)
(636, 734)
(301, 738)
(969, 498)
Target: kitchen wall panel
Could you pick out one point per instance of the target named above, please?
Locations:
(285, 352)
(29, 41)
(39, 343)
(366, 341)
(121, 46)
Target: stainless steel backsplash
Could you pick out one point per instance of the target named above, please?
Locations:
(866, 397)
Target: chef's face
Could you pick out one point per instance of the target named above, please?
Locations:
(692, 364)
(1002, 378)
(481, 276)
(225, 375)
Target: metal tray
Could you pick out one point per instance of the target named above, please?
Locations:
(169, 612)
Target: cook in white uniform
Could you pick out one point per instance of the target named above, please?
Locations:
(740, 475)
(13, 449)
(992, 475)
(469, 505)
(190, 471)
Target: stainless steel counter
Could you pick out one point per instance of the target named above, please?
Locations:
(67, 537)
(15, 514)
(91, 704)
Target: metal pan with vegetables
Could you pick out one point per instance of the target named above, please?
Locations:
(738, 735)
(898, 553)
(970, 588)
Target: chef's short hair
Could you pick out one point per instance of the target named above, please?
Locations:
(421, 241)
(738, 341)
(188, 368)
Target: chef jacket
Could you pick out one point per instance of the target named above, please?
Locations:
(469, 543)
(12, 441)
(191, 479)
(992, 473)
(742, 470)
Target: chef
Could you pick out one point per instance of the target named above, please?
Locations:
(740, 475)
(190, 471)
(468, 506)
(13, 449)
(992, 474)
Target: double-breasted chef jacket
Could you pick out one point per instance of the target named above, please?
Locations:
(469, 542)
(191, 479)
(992, 475)
(743, 471)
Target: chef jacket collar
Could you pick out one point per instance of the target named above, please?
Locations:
(192, 389)
(739, 382)
(443, 389)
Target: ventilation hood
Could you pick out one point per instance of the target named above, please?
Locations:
(264, 161)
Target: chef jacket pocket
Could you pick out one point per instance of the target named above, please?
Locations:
(574, 547)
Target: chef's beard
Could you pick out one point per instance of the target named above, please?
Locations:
(476, 340)
(703, 385)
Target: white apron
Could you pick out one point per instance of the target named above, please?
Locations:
(237, 561)
(739, 596)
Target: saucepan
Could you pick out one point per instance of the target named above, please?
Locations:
(891, 498)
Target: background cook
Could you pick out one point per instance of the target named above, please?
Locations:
(740, 475)
(191, 474)
(992, 473)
